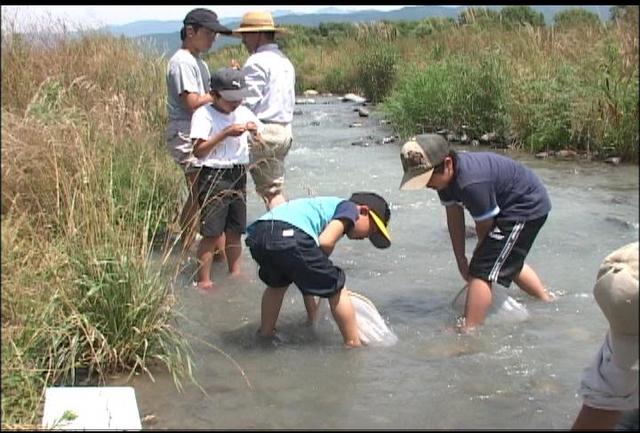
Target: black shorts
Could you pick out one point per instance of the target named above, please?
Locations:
(288, 255)
(222, 198)
(500, 256)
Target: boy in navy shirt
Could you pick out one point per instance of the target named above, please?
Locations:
(508, 203)
(292, 243)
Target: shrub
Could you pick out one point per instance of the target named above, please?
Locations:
(575, 17)
(376, 71)
(454, 93)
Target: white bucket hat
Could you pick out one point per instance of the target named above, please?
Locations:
(616, 291)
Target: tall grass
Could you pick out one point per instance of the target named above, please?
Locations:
(538, 88)
(456, 94)
(86, 186)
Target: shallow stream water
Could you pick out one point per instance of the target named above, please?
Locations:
(510, 375)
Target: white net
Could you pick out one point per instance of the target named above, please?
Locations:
(372, 328)
(503, 306)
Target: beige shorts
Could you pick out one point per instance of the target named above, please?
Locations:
(180, 146)
(267, 155)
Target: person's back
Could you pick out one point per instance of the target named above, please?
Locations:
(508, 203)
(292, 243)
(310, 214)
(272, 75)
(485, 180)
(269, 70)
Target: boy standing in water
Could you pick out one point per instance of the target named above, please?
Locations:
(292, 243)
(506, 199)
(187, 80)
(220, 132)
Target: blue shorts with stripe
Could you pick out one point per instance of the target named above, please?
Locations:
(501, 254)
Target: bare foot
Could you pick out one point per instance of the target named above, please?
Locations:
(205, 287)
(239, 276)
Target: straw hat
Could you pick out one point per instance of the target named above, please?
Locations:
(257, 21)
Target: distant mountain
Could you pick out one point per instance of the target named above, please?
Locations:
(332, 10)
(165, 37)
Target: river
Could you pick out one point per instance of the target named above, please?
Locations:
(509, 375)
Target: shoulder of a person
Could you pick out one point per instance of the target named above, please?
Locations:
(205, 110)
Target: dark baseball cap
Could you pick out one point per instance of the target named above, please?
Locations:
(206, 18)
(419, 156)
(380, 214)
(230, 83)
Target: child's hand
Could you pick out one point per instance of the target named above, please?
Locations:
(235, 64)
(235, 130)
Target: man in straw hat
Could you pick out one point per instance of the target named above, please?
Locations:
(508, 203)
(610, 383)
(272, 75)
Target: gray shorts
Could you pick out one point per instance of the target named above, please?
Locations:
(179, 145)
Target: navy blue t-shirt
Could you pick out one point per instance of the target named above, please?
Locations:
(490, 185)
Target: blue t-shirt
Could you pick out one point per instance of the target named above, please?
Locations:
(311, 215)
(489, 185)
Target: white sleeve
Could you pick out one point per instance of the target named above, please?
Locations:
(200, 124)
(256, 78)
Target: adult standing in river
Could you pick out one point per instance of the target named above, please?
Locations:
(188, 81)
(270, 73)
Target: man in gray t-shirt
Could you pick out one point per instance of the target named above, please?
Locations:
(508, 203)
(188, 82)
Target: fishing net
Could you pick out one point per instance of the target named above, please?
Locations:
(503, 307)
(372, 328)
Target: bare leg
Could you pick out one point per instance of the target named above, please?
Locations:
(271, 304)
(205, 258)
(219, 254)
(189, 218)
(529, 282)
(477, 303)
(233, 251)
(311, 303)
(345, 316)
(591, 418)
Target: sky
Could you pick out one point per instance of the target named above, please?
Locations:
(96, 16)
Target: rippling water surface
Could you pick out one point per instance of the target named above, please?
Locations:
(511, 375)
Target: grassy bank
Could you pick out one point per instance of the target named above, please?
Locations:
(86, 184)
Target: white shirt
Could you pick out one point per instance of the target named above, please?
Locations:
(273, 76)
(207, 121)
